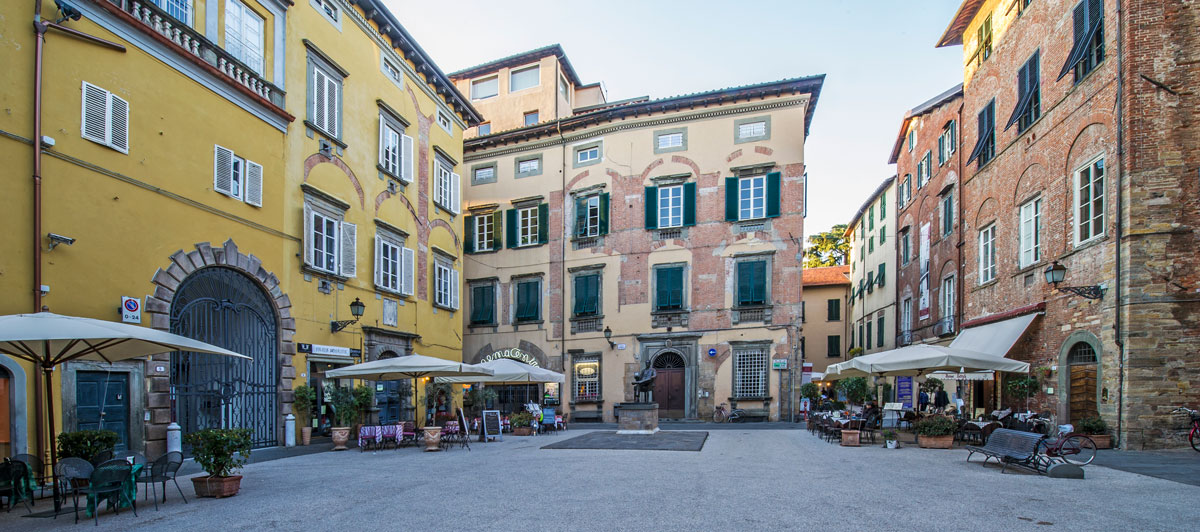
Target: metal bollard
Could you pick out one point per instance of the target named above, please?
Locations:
(289, 428)
(174, 440)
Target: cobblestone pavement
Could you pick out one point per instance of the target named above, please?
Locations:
(742, 480)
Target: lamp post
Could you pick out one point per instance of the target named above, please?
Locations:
(357, 307)
(1055, 273)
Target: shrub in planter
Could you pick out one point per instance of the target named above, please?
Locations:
(890, 437)
(935, 432)
(220, 452)
(1097, 430)
(521, 423)
(86, 443)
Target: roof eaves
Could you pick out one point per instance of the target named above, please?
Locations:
(954, 32)
(927, 106)
(878, 190)
(519, 58)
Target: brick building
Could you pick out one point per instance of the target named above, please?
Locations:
(620, 235)
(1077, 141)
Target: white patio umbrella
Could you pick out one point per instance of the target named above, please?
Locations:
(407, 367)
(508, 370)
(48, 340)
(920, 360)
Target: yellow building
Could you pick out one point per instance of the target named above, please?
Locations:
(243, 170)
(826, 302)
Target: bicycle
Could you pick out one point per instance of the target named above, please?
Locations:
(1194, 434)
(720, 415)
(1072, 448)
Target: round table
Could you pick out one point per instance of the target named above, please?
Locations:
(433, 439)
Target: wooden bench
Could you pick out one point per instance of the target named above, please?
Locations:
(1009, 447)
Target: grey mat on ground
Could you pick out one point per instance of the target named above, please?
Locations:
(666, 440)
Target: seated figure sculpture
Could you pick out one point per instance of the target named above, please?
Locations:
(643, 382)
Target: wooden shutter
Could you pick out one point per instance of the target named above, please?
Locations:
(731, 199)
(378, 261)
(604, 213)
(318, 98)
(580, 216)
(254, 183)
(510, 227)
(408, 276)
(118, 123)
(453, 289)
(497, 230)
(223, 171)
(455, 192)
(543, 223)
(651, 199)
(469, 234)
(348, 256)
(981, 135)
(407, 162)
(662, 277)
(383, 159)
(94, 114)
(744, 283)
(580, 294)
(308, 231)
(689, 204)
(773, 184)
(331, 106)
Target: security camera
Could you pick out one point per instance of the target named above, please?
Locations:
(68, 11)
(56, 239)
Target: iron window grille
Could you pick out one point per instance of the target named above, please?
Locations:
(750, 372)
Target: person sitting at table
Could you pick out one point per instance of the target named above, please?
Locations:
(870, 410)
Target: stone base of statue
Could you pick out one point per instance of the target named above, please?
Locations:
(638, 418)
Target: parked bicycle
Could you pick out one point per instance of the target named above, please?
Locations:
(722, 415)
(1194, 434)
(1072, 447)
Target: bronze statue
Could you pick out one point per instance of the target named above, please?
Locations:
(643, 383)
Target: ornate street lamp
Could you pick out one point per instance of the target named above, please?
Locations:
(608, 336)
(356, 309)
(1055, 273)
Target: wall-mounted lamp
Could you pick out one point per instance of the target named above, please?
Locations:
(608, 336)
(1055, 273)
(357, 308)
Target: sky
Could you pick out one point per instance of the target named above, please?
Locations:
(878, 57)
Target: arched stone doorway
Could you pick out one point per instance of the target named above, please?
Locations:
(1079, 377)
(669, 384)
(224, 307)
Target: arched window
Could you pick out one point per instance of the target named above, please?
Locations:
(1081, 353)
(668, 360)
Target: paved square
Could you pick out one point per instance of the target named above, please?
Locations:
(667, 440)
(741, 480)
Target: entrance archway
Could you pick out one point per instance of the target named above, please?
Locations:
(223, 307)
(1081, 359)
(668, 384)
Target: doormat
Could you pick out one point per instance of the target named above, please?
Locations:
(663, 440)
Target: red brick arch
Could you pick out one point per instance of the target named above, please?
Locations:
(317, 158)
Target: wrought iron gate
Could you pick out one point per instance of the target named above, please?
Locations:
(227, 309)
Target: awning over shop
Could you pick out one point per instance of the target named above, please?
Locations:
(995, 338)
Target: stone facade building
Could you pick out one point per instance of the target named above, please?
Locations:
(1081, 137)
(616, 236)
(872, 236)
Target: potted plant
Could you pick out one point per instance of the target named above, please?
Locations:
(855, 389)
(522, 424)
(1022, 387)
(85, 444)
(364, 402)
(220, 452)
(935, 432)
(890, 436)
(305, 396)
(1097, 430)
(344, 414)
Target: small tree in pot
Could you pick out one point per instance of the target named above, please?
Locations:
(344, 414)
(1097, 430)
(220, 452)
(521, 424)
(935, 432)
(305, 396)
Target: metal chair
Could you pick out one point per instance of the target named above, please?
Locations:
(12, 478)
(71, 475)
(108, 479)
(39, 471)
(101, 457)
(160, 471)
(138, 458)
(548, 423)
(408, 433)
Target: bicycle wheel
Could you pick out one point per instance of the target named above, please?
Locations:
(1078, 450)
(718, 416)
(1194, 438)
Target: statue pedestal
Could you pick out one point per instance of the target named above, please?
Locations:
(638, 418)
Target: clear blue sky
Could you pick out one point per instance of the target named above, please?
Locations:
(878, 57)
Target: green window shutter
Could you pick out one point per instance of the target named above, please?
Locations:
(483, 304)
(882, 234)
(773, 194)
(660, 288)
(731, 199)
(468, 234)
(882, 205)
(651, 199)
(497, 243)
(677, 289)
(835, 310)
(510, 229)
(522, 306)
(751, 280)
(879, 333)
(580, 294)
(604, 213)
(593, 294)
(580, 216)
(879, 276)
(689, 204)
(760, 282)
(543, 223)
(871, 218)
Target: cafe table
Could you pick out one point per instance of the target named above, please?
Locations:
(128, 492)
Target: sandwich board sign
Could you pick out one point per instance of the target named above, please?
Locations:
(491, 426)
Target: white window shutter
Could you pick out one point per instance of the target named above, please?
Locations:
(254, 183)
(349, 257)
(407, 162)
(94, 114)
(455, 188)
(118, 122)
(331, 107)
(318, 98)
(378, 261)
(382, 143)
(409, 275)
(223, 170)
(454, 289)
(307, 241)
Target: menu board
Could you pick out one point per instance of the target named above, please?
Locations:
(904, 391)
(491, 425)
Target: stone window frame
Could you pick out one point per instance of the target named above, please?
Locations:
(685, 304)
(494, 282)
(393, 236)
(1037, 249)
(1090, 167)
(743, 348)
(316, 59)
(484, 166)
(445, 260)
(591, 269)
(388, 117)
(514, 283)
(769, 256)
(384, 63)
(670, 131)
(587, 146)
(737, 126)
(989, 227)
(518, 174)
(1064, 367)
(331, 207)
(584, 358)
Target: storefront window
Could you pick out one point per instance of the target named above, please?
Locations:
(587, 379)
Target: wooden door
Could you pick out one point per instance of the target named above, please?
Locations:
(668, 393)
(102, 402)
(1083, 392)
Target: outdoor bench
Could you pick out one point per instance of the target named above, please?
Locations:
(1008, 447)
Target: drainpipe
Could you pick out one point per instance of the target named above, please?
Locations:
(39, 30)
(1117, 323)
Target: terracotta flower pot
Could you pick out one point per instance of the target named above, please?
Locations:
(522, 431)
(1103, 441)
(341, 435)
(217, 487)
(305, 435)
(935, 442)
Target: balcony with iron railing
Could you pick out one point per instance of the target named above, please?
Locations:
(945, 326)
(904, 338)
(193, 46)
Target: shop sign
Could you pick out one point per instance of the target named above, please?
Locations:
(131, 310)
(513, 353)
(318, 349)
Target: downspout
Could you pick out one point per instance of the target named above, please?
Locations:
(39, 30)
(1120, 224)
